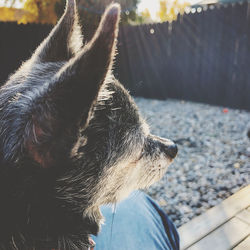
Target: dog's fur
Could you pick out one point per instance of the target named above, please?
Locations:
(71, 139)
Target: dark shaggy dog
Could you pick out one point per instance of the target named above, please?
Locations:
(71, 139)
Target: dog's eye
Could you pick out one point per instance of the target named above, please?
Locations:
(79, 146)
(83, 141)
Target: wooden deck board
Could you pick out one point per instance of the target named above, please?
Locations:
(244, 215)
(224, 237)
(244, 245)
(206, 223)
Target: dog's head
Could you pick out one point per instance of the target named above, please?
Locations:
(71, 139)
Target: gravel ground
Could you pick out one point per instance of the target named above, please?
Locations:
(213, 160)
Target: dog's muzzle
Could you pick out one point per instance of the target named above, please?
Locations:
(172, 150)
(166, 146)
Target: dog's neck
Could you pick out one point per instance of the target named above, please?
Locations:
(33, 217)
(64, 231)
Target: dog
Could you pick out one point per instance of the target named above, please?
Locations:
(71, 139)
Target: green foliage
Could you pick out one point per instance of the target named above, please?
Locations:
(40, 11)
(169, 10)
(143, 17)
(34, 11)
(48, 11)
(7, 14)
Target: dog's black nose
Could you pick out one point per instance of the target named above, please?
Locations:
(172, 150)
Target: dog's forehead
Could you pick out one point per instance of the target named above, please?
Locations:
(122, 108)
(116, 121)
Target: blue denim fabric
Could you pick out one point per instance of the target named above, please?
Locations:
(138, 224)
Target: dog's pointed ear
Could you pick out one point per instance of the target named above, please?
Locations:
(68, 100)
(65, 39)
(76, 86)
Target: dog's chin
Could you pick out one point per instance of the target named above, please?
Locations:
(142, 178)
(162, 171)
(122, 180)
(95, 215)
(154, 172)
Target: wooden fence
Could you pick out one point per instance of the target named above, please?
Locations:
(203, 56)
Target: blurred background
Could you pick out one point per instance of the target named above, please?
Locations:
(187, 64)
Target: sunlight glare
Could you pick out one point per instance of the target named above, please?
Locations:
(154, 5)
